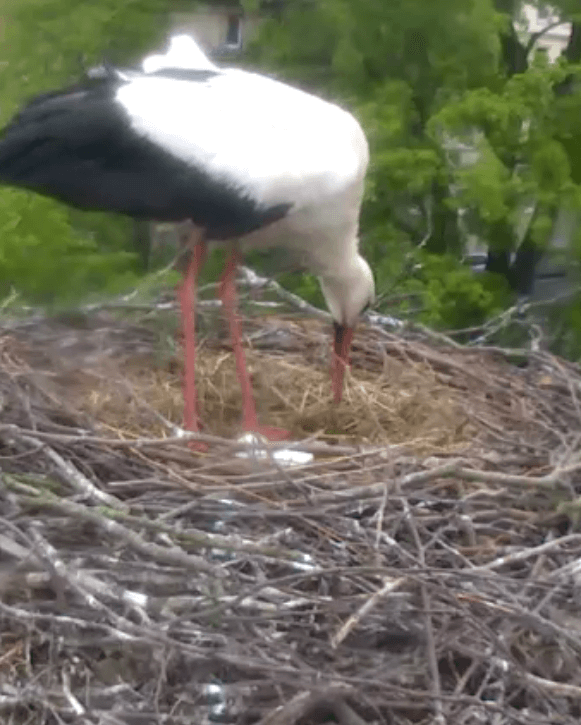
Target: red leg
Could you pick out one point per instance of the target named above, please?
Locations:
(187, 298)
(228, 297)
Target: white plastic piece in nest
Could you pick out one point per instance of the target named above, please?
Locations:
(283, 456)
(307, 564)
(216, 698)
(136, 598)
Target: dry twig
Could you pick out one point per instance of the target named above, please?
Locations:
(142, 582)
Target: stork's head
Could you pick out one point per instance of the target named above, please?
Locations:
(348, 291)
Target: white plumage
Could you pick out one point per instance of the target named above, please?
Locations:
(274, 142)
(183, 52)
(243, 156)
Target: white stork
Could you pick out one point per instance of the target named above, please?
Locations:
(248, 160)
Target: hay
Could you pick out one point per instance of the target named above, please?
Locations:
(395, 404)
(424, 569)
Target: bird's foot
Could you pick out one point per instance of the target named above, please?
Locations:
(193, 426)
(198, 446)
(270, 432)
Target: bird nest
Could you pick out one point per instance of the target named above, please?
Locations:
(424, 567)
(395, 401)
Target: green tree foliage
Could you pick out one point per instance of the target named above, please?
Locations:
(47, 251)
(51, 42)
(423, 77)
(45, 259)
(435, 84)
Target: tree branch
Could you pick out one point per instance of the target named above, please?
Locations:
(539, 34)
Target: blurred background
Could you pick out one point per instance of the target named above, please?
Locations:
(472, 211)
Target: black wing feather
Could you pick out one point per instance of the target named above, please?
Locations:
(77, 145)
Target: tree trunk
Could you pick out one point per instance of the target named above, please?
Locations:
(521, 276)
(498, 262)
(573, 50)
(500, 244)
(514, 53)
(445, 234)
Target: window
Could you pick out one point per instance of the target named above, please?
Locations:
(233, 31)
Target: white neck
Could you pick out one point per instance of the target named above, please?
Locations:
(348, 287)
